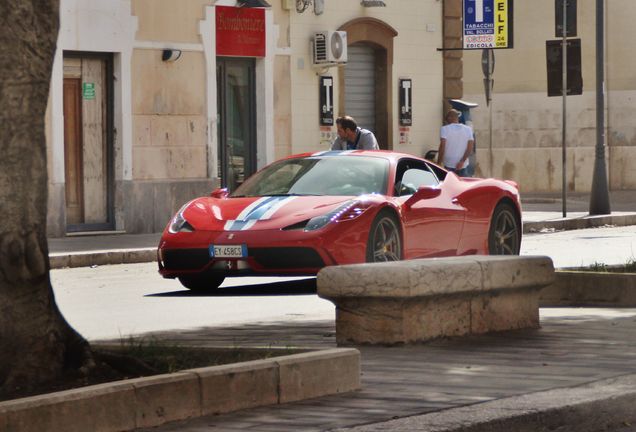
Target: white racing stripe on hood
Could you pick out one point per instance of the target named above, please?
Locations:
(261, 209)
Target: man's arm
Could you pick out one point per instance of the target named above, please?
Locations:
(467, 153)
(337, 144)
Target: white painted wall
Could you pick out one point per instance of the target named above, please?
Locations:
(419, 26)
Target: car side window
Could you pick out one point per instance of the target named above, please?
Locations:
(411, 175)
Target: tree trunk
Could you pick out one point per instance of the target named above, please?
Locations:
(36, 343)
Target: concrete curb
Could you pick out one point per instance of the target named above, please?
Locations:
(602, 405)
(102, 257)
(579, 223)
(155, 400)
(590, 289)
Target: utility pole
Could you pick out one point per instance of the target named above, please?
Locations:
(564, 90)
(599, 198)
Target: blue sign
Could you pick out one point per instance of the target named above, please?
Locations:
(487, 24)
(478, 17)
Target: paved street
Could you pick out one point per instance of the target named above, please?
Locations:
(118, 300)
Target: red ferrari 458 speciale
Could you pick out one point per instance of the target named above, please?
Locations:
(309, 211)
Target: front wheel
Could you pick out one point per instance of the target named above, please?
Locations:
(204, 282)
(504, 236)
(384, 242)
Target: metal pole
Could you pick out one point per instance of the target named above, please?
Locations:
(564, 93)
(490, 157)
(599, 199)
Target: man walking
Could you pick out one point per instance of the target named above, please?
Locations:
(455, 145)
(351, 137)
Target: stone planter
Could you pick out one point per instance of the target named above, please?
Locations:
(589, 288)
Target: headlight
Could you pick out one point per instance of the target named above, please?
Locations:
(179, 223)
(347, 211)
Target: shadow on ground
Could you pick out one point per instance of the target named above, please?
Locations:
(293, 287)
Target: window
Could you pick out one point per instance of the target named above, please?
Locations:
(411, 175)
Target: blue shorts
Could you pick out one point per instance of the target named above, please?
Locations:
(460, 173)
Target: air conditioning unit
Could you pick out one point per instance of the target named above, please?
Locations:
(330, 47)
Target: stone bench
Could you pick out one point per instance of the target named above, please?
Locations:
(418, 300)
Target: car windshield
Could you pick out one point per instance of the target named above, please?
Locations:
(329, 175)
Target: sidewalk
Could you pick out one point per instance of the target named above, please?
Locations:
(563, 374)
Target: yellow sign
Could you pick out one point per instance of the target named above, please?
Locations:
(501, 23)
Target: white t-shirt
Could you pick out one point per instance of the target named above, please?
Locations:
(457, 136)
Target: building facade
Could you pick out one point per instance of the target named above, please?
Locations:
(519, 136)
(154, 102)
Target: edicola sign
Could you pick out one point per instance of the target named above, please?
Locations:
(240, 32)
(487, 24)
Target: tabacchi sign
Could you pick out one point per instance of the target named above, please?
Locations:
(240, 32)
(487, 24)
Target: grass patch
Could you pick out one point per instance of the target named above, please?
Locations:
(628, 267)
(166, 357)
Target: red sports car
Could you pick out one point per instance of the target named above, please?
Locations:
(309, 211)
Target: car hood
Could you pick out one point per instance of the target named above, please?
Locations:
(257, 213)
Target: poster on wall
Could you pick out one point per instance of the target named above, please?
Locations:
(326, 100)
(406, 102)
(487, 24)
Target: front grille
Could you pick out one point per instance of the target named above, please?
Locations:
(185, 259)
(287, 257)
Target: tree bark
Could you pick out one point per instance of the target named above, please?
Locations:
(36, 343)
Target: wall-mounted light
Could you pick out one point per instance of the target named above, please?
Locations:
(373, 3)
(170, 55)
(302, 5)
(253, 3)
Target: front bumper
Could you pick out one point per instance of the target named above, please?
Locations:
(269, 252)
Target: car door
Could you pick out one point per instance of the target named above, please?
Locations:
(432, 227)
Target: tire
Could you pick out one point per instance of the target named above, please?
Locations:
(504, 235)
(204, 282)
(385, 242)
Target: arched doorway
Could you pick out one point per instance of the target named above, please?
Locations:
(370, 50)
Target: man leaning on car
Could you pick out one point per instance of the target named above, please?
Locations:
(351, 137)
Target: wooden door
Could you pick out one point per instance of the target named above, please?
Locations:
(73, 160)
(88, 142)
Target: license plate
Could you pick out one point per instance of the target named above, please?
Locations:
(228, 251)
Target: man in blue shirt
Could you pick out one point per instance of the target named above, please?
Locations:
(351, 137)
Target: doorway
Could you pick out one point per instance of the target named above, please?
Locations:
(88, 138)
(360, 93)
(236, 102)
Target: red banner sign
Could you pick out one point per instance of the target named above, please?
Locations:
(240, 32)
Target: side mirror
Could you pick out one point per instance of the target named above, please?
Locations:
(423, 193)
(219, 193)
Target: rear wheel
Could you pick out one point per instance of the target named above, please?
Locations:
(204, 282)
(504, 237)
(384, 242)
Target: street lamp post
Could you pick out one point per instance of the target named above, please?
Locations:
(599, 199)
